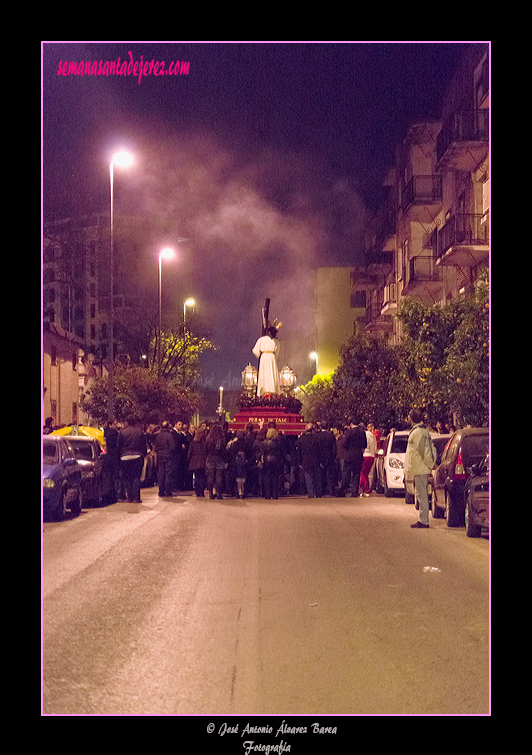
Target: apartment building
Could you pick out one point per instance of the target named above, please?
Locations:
(76, 303)
(429, 239)
(76, 275)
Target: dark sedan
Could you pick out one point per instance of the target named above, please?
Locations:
(96, 475)
(466, 447)
(61, 478)
(477, 499)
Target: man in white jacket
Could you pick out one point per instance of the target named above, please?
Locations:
(420, 459)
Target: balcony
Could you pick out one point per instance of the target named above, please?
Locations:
(463, 141)
(463, 240)
(421, 277)
(420, 193)
(379, 263)
(389, 299)
(375, 320)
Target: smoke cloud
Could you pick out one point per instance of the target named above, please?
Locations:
(257, 224)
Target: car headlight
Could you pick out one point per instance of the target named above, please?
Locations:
(47, 483)
(396, 463)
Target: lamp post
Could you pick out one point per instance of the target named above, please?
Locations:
(188, 303)
(220, 411)
(121, 160)
(165, 254)
(314, 355)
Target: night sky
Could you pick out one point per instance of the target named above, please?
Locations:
(267, 156)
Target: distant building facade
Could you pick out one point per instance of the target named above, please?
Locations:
(429, 239)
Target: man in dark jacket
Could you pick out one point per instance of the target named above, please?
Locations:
(355, 443)
(328, 460)
(132, 449)
(180, 457)
(165, 448)
(308, 448)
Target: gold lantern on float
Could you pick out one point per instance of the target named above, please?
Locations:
(249, 380)
(287, 380)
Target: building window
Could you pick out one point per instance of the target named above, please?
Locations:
(358, 300)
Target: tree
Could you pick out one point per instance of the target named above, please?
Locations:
(427, 332)
(444, 356)
(138, 391)
(467, 364)
(366, 380)
(318, 400)
(441, 366)
(180, 350)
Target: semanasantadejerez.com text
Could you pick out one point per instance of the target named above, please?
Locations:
(126, 67)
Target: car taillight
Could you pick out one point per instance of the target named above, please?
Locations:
(459, 470)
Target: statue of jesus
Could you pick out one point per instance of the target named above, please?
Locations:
(265, 350)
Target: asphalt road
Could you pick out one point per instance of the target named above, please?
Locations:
(296, 606)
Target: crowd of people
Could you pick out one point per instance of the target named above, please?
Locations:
(259, 461)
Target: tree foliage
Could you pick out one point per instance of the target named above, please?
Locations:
(318, 399)
(138, 391)
(365, 382)
(441, 365)
(151, 393)
(180, 349)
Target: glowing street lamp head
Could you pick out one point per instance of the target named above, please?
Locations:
(314, 356)
(190, 303)
(167, 253)
(122, 159)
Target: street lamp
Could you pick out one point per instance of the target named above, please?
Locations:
(220, 410)
(314, 355)
(188, 303)
(164, 254)
(122, 160)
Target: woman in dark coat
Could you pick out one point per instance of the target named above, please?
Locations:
(272, 456)
(197, 456)
(215, 462)
(165, 449)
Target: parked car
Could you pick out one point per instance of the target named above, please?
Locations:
(61, 481)
(466, 447)
(440, 441)
(96, 474)
(389, 464)
(476, 497)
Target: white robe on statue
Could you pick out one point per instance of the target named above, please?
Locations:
(268, 378)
